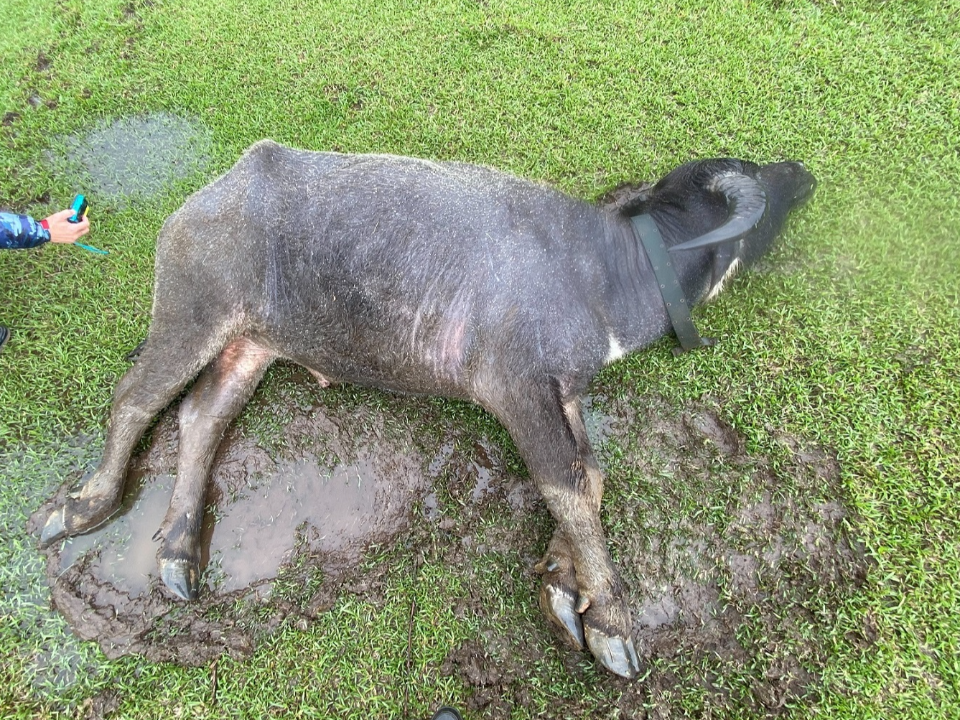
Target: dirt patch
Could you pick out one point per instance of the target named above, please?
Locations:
(735, 567)
(625, 196)
(734, 563)
(100, 706)
(265, 514)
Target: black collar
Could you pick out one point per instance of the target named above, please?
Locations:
(677, 306)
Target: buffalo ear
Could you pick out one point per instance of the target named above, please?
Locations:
(629, 199)
(746, 201)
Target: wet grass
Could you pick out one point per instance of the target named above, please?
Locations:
(846, 337)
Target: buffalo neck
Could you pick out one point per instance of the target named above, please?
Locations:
(633, 306)
(677, 305)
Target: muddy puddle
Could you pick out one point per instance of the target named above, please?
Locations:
(733, 563)
(264, 510)
(247, 538)
(734, 566)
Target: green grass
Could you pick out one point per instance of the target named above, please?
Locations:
(847, 337)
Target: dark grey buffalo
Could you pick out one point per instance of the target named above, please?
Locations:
(423, 277)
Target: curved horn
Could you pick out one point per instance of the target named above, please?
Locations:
(746, 201)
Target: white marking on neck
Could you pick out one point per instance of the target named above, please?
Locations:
(615, 349)
(731, 271)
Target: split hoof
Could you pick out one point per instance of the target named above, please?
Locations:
(55, 527)
(617, 654)
(558, 598)
(74, 517)
(558, 604)
(182, 578)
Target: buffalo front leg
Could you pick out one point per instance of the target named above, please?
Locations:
(548, 431)
(559, 592)
(212, 404)
(144, 390)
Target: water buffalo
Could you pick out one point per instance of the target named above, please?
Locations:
(424, 277)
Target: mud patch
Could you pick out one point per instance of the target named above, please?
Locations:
(264, 512)
(626, 196)
(735, 565)
(289, 519)
(134, 157)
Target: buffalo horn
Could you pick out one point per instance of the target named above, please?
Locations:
(746, 201)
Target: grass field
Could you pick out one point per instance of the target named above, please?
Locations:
(847, 339)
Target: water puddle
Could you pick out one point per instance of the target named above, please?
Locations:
(440, 459)
(486, 469)
(123, 551)
(265, 514)
(247, 539)
(345, 505)
(135, 157)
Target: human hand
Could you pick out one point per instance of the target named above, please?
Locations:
(64, 231)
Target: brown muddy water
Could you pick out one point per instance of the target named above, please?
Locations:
(727, 557)
(246, 539)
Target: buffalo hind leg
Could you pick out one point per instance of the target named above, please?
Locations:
(548, 431)
(218, 396)
(143, 391)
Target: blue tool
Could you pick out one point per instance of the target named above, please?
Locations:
(80, 208)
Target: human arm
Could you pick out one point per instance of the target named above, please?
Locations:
(22, 231)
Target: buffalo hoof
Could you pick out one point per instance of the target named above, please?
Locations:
(607, 628)
(617, 654)
(73, 518)
(55, 527)
(182, 577)
(558, 597)
(558, 603)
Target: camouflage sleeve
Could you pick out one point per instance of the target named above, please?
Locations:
(21, 231)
